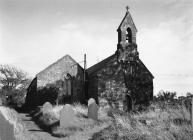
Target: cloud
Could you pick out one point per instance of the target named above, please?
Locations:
(35, 34)
(36, 52)
(167, 49)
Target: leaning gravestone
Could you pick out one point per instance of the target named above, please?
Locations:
(46, 107)
(92, 109)
(67, 116)
(6, 129)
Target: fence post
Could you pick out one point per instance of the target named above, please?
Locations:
(191, 115)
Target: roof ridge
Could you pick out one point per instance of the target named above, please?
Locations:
(127, 13)
(49, 66)
(91, 69)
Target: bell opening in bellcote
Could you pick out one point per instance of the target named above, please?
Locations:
(129, 35)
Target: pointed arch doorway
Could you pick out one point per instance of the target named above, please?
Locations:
(129, 102)
(68, 88)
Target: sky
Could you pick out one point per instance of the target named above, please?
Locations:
(36, 33)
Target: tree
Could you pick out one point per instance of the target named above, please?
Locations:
(166, 96)
(189, 95)
(13, 83)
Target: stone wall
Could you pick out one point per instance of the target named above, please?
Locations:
(109, 82)
(62, 82)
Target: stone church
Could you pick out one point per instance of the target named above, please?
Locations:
(65, 81)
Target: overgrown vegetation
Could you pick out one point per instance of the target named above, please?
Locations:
(83, 128)
(157, 122)
(13, 85)
(165, 119)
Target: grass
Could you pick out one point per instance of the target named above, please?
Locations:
(83, 127)
(170, 123)
(155, 123)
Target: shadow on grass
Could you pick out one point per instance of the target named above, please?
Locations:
(107, 133)
(65, 132)
(180, 121)
(34, 130)
(37, 119)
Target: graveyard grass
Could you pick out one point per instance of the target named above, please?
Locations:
(156, 123)
(83, 128)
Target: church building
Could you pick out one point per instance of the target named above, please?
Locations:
(107, 77)
(66, 81)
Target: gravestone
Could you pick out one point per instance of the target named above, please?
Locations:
(6, 129)
(1, 102)
(192, 112)
(92, 109)
(46, 107)
(67, 116)
(103, 102)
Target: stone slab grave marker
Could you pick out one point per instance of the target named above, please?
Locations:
(67, 116)
(6, 129)
(46, 107)
(92, 109)
(1, 102)
(192, 112)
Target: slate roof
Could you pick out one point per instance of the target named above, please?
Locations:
(146, 68)
(95, 68)
(99, 65)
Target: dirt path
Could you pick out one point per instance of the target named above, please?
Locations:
(33, 129)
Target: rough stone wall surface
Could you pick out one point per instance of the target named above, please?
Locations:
(78, 86)
(93, 87)
(57, 71)
(61, 82)
(128, 22)
(110, 79)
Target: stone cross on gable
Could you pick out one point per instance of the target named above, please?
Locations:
(127, 8)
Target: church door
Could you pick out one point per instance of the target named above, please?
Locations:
(129, 102)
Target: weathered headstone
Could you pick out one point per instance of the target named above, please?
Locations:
(46, 107)
(192, 113)
(6, 129)
(92, 109)
(103, 102)
(1, 102)
(67, 116)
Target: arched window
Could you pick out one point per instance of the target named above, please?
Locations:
(68, 84)
(129, 35)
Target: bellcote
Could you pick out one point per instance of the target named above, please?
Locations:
(127, 47)
(127, 30)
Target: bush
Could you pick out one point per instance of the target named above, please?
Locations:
(166, 96)
(13, 82)
(14, 98)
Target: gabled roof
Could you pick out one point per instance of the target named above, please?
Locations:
(95, 68)
(99, 65)
(126, 15)
(146, 68)
(64, 57)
